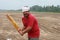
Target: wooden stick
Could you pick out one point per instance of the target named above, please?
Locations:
(13, 22)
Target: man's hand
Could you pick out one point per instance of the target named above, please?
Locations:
(24, 31)
(21, 32)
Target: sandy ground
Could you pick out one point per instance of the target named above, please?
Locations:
(49, 24)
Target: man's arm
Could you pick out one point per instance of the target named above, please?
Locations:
(25, 30)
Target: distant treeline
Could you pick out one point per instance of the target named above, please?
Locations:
(37, 8)
(46, 8)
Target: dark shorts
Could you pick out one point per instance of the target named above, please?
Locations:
(33, 38)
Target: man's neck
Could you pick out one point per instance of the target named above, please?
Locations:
(27, 16)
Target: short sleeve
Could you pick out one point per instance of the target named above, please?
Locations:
(23, 22)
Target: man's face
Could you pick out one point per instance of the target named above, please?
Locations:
(26, 14)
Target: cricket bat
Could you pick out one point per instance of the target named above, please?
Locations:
(13, 22)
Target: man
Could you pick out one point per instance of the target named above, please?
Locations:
(30, 25)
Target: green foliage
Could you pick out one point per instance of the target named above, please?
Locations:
(52, 8)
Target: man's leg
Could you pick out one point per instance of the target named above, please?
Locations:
(33, 38)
